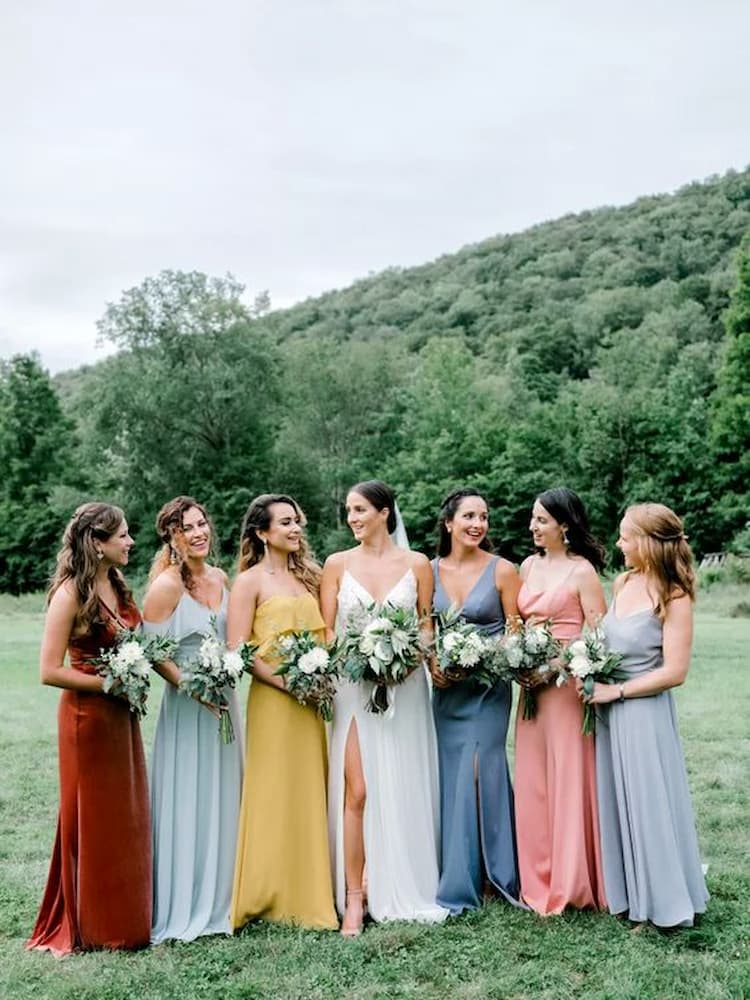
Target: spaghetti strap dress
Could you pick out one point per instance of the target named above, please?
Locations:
(557, 819)
(98, 892)
(476, 797)
(196, 782)
(652, 865)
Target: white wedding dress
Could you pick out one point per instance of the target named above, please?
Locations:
(400, 764)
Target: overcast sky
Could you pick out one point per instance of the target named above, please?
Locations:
(301, 144)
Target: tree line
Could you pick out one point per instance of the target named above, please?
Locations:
(608, 351)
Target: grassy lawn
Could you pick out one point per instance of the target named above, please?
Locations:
(497, 953)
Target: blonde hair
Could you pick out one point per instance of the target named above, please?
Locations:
(665, 556)
(252, 549)
(172, 552)
(78, 560)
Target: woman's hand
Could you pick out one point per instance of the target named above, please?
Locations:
(603, 694)
(439, 679)
(535, 678)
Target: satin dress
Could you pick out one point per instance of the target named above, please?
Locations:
(283, 870)
(98, 892)
(557, 818)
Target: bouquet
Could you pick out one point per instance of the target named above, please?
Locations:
(464, 652)
(308, 670)
(527, 652)
(383, 650)
(589, 659)
(126, 666)
(214, 669)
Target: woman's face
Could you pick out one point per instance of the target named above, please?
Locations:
(196, 533)
(627, 543)
(545, 530)
(364, 518)
(285, 530)
(115, 550)
(470, 523)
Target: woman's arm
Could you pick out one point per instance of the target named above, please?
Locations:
(677, 643)
(243, 600)
(159, 604)
(507, 584)
(58, 626)
(590, 594)
(330, 582)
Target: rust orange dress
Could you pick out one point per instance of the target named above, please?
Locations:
(98, 892)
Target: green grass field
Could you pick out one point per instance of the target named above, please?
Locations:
(497, 953)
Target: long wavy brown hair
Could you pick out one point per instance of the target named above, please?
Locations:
(665, 556)
(78, 560)
(258, 518)
(169, 529)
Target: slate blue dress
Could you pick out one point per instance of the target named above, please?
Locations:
(478, 838)
(196, 782)
(652, 866)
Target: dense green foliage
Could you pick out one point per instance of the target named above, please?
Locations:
(591, 351)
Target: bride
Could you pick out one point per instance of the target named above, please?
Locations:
(383, 772)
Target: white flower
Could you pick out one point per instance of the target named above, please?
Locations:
(367, 644)
(286, 645)
(141, 668)
(535, 639)
(469, 655)
(312, 661)
(577, 648)
(383, 651)
(378, 625)
(233, 663)
(514, 655)
(129, 653)
(450, 641)
(580, 666)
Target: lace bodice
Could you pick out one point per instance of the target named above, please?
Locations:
(353, 598)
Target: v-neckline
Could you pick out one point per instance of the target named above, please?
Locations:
(473, 586)
(366, 591)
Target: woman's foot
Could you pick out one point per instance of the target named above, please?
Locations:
(354, 913)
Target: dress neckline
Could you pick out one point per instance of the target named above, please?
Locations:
(492, 561)
(631, 614)
(286, 597)
(366, 591)
(551, 590)
(207, 607)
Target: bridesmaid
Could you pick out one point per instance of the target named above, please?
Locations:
(478, 843)
(283, 870)
(557, 822)
(98, 892)
(652, 867)
(383, 788)
(195, 778)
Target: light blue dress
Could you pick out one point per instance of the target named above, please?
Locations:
(196, 782)
(476, 813)
(652, 866)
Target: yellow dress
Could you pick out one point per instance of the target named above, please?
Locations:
(283, 869)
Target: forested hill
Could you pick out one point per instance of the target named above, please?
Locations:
(595, 351)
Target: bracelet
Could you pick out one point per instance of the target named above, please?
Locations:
(622, 692)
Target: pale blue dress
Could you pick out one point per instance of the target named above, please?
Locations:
(652, 866)
(196, 782)
(478, 838)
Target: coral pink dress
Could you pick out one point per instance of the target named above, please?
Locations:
(557, 821)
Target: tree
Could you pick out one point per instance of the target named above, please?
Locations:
(189, 405)
(36, 456)
(730, 430)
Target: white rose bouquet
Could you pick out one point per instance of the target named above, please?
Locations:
(526, 653)
(126, 666)
(309, 672)
(214, 669)
(590, 659)
(383, 650)
(463, 652)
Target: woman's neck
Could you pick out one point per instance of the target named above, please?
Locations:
(377, 546)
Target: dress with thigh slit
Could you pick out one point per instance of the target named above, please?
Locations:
(476, 797)
(399, 761)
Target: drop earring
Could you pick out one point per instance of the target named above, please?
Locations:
(565, 539)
